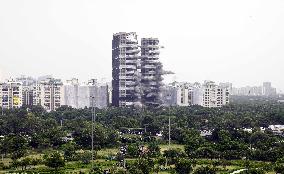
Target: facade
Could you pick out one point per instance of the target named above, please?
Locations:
(11, 94)
(125, 65)
(151, 72)
(48, 93)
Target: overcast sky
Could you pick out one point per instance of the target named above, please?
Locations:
(241, 41)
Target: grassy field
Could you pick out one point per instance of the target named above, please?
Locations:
(172, 146)
(76, 166)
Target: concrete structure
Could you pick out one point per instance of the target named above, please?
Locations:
(11, 94)
(151, 72)
(79, 95)
(48, 93)
(125, 74)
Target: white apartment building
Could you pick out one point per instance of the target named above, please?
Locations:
(47, 93)
(214, 95)
(11, 94)
(185, 94)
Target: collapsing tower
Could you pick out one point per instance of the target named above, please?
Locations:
(151, 72)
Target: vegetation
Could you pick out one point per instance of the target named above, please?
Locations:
(126, 141)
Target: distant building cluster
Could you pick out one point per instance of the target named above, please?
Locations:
(136, 81)
(265, 90)
(51, 93)
(207, 94)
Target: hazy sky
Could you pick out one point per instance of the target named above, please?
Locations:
(241, 41)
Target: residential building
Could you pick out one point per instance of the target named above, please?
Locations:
(27, 89)
(125, 74)
(185, 94)
(214, 95)
(48, 93)
(11, 94)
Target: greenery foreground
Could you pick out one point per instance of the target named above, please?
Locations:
(135, 141)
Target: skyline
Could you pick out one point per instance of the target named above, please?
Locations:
(238, 42)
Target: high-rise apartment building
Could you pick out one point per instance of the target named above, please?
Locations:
(151, 72)
(125, 70)
(11, 94)
(47, 93)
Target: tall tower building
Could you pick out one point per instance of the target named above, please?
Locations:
(125, 70)
(151, 72)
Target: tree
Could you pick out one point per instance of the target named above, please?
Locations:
(205, 170)
(279, 168)
(69, 151)
(154, 149)
(142, 165)
(54, 160)
(183, 166)
(17, 146)
(173, 155)
(133, 150)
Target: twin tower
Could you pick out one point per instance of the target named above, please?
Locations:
(136, 71)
